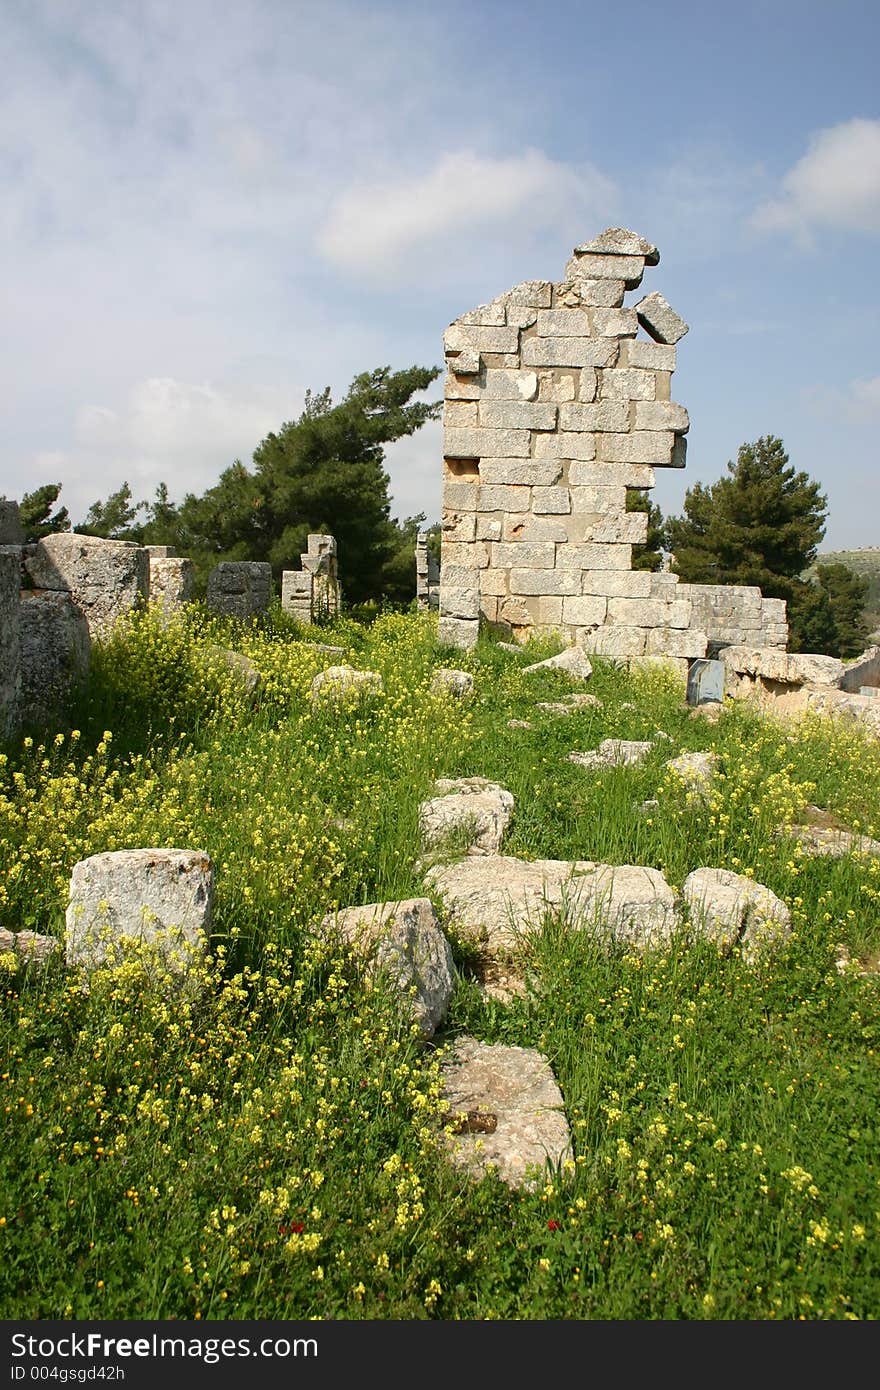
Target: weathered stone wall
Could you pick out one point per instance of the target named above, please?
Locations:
(172, 579)
(313, 592)
(737, 615)
(10, 644)
(55, 653)
(427, 576)
(554, 408)
(864, 673)
(240, 588)
(104, 578)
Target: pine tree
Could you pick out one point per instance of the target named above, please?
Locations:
(35, 510)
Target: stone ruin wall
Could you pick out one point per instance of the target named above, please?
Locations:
(554, 408)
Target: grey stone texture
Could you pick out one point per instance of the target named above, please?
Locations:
(11, 532)
(341, 685)
(613, 752)
(161, 899)
(448, 681)
(567, 410)
(105, 579)
(171, 579)
(505, 1113)
(403, 942)
(312, 592)
(732, 910)
(240, 588)
(30, 948)
(10, 645)
(466, 807)
(496, 899)
(55, 648)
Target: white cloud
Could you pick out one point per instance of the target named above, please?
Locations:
(835, 184)
(857, 403)
(376, 226)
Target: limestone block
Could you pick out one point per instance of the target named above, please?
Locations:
(696, 772)
(588, 384)
(809, 668)
(541, 472)
(296, 594)
(515, 612)
(459, 603)
(643, 446)
(616, 642)
(504, 385)
(11, 532)
(628, 527)
(659, 319)
(535, 555)
(469, 807)
(627, 384)
(533, 294)
(595, 557)
(457, 526)
(504, 498)
(551, 500)
(607, 294)
(461, 497)
(506, 1113)
(680, 613)
(600, 416)
(603, 474)
(663, 385)
(573, 661)
(661, 415)
(486, 315)
(481, 443)
(584, 611)
(105, 578)
(620, 241)
(569, 352)
(629, 269)
(475, 556)
(615, 323)
(461, 577)
(55, 649)
(157, 898)
(617, 583)
(30, 948)
(172, 581)
(160, 552)
(731, 910)
(689, 643)
(466, 363)
(548, 610)
(556, 582)
(567, 444)
(461, 337)
(342, 685)
(558, 386)
(658, 357)
(449, 681)
(240, 589)
(564, 323)
(464, 386)
(10, 645)
(614, 752)
(403, 942)
(637, 612)
(461, 414)
(493, 584)
(534, 528)
(458, 632)
(245, 674)
(489, 528)
(517, 415)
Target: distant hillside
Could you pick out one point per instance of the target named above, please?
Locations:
(865, 562)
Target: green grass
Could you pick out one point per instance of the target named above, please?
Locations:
(265, 1146)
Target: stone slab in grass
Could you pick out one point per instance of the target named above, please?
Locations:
(161, 898)
(448, 681)
(613, 752)
(469, 806)
(733, 910)
(696, 771)
(343, 685)
(507, 1111)
(404, 941)
(573, 661)
(498, 898)
(29, 947)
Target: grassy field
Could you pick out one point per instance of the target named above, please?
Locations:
(266, 1147)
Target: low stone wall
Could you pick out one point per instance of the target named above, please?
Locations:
(105, 579)
(737, 615)
(864, 671)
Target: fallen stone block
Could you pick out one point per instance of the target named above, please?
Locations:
(732, 910)
(160, 899)
(659, 319)
(696, 772)
(29, 947)
(613, 752)
(448, 681)
(573, 661)
(466, 806)
(344, 685)
(404, 942)
(505, 1111)
(496, 899)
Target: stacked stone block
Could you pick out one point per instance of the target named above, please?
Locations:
(240, 588)
(104, 579)
(738, 615)
(313, 592)
(554, 408)
(427, 576)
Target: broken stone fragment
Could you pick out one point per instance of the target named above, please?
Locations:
(659, 319)
(473, 807)
(613, 752)
(573, 661)
(620, 241)
(448, 681)
(403, 941)
(732, 910)
(696, 771)
(505, 1111)
(344, 684)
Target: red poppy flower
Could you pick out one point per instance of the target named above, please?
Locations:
(552, 1225)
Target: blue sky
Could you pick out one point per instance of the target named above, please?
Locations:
(206, 210)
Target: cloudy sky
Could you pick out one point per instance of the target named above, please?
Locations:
(207, 209)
